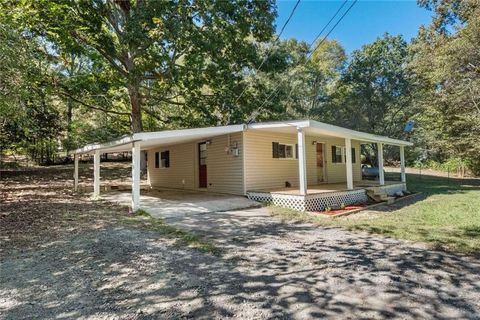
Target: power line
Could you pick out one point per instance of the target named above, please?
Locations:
(310, 54)
(334, 26)
(274, 42)
(328, 23)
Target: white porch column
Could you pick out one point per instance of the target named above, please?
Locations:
(75, 172)
(96, 174)
(348, 163)
(381, 175)
(136, 168)
(302, 165)
(402, 164)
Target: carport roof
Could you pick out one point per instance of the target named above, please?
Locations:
(169, 137)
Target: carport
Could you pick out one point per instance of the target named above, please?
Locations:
(143, 141)
(173, 204)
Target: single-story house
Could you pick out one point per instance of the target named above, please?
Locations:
(301, 164)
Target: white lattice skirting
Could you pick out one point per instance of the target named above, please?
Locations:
(311, 202)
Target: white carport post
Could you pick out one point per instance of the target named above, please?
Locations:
(302, 165)
(381, 174)
(348, 163)
(75, 172)
(402, 164)
(136, 168)
(96, 174)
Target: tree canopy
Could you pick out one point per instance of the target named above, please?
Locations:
(75, 72)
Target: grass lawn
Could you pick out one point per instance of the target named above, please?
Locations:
(447, 215)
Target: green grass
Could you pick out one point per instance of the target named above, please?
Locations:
(447, 215)
(144, 220)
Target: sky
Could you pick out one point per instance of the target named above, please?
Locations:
(366, 21)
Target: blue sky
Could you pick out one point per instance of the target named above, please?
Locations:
(366, 21)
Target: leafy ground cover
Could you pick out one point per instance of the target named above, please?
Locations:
(445, 214)
(38, 206)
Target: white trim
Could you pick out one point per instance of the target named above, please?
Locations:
(75, 172)
(349, 166)
(205, 132)
(115, 143)
(96, 174)
(179, 136)
(302, 164)
(136, 168)
(244, 168)
(281, 124)
(293, 151)
(381, 174)
(356, 135)
(402, 164)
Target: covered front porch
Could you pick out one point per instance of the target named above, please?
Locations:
(328, 167)
(328, 195)
(329, 187)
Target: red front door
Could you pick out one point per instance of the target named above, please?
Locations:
(202, 165)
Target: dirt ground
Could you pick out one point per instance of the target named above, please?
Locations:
(65, 256)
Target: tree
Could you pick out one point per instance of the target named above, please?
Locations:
(447, 63)
(178, 52)
(375, 93)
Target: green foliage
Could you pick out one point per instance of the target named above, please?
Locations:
(76, 72)
(376, 90)
(445, 215)
(446, 65)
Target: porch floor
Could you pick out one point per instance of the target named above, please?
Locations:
(328, 187)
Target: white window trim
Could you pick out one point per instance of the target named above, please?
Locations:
(160, 164)
(293, 151)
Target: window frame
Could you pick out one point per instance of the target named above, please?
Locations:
(291, 146)
(165, 161)
(344, 155)
(159, 159)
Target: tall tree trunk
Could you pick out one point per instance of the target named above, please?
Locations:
(136, 113)
(136, 119)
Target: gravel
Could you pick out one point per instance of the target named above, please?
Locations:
(267, 269)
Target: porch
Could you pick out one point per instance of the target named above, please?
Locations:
(322, 196)
(328, 187)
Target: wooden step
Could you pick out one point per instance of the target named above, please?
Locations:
(379, 195)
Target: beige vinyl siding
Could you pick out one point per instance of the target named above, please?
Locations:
(265, 172)
(262, 170)
(180, 174)
(224, 170)
(336, 172)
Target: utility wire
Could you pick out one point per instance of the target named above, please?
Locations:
(274, 42)
(328, 23)
(275, 91)
(334, 26)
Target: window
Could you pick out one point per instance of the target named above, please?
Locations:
(339, 155)
(283, 151)
(162, 159)
(157, 159)
(165, 159)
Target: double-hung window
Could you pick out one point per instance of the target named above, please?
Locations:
(162, 159)
(283, 151)
(339, 154)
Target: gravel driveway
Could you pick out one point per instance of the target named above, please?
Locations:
(267, 269)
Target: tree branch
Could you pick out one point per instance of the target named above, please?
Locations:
(66, 94)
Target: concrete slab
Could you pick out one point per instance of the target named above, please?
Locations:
(173, 204)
